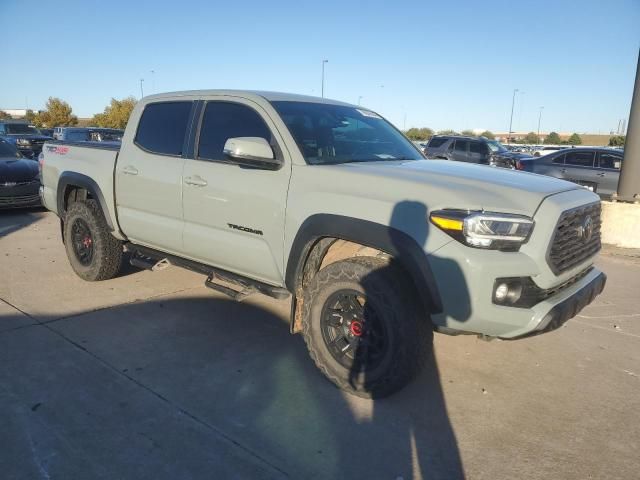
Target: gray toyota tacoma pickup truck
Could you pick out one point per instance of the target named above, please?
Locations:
(329, 205)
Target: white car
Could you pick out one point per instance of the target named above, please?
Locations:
(549, 149)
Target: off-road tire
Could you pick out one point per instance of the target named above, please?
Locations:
(398, 307)
(107, 255)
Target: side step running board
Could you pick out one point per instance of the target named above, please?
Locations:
(150, 259)
(237, 295)
(148, 263)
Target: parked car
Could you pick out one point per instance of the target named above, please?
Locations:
(472, 150)
(547, 149)
(328, 204)
(598, 169)
(23, 136)
(57, 131)
(19, 178)
(47, 132)
(90, 134)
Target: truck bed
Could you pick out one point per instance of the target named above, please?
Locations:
(92, 162)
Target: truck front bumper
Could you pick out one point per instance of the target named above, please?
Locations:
(571, 306)
(467, 288)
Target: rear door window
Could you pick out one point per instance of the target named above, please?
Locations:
(461, 145)
(610, 160)
(559, 159)
(579, 159)
(163, 127)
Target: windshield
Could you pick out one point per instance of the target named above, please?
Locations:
(496, 146)
(18, 128)
(328, 133)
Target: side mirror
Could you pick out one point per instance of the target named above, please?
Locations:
(251, 152)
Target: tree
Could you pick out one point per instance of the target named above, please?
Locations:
(57, 113)
(4, 115)
(553, 139)
(447, 132)
(116, 114)
(488, 134)
(468, 133)
(574, 139)
(531, 138)
(617, 141)
(30, 116)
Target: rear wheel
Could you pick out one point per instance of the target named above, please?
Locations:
(365, 327)
(94, 254)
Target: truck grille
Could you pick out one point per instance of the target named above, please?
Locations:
(577, 237)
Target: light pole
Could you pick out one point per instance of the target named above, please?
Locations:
(629, 182)
(141, 90)
(323, 62)
(539, 119)
(513, 102)
(153, 81)
(359, 98)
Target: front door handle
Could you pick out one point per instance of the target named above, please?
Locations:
(196, 181)
(129, 170)
(563, 170)
(601, 174)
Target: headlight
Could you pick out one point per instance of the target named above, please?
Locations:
(23, 141)
(495, 231)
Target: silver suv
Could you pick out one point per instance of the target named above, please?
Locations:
(479, 150)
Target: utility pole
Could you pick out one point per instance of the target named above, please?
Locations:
(153, 81)
(141, 90)
(513, 101)
(359, 99)
(629, 183)
(323, 62)
(539, 119)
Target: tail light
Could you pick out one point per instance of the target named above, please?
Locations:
(519, 165)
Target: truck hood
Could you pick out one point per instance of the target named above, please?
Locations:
(17, 170)
(448, 184)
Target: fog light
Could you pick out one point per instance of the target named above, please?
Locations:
(507, 293)
(501, 293)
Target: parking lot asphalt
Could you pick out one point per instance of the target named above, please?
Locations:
(152, 375)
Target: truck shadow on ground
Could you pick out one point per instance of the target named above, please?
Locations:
(235, 367)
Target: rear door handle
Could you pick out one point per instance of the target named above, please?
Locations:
(601, 174)
(196, 181)
(129, 170)
(563, 170)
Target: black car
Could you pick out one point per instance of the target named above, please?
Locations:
(19, 178)
(472, 150)
(26, 138)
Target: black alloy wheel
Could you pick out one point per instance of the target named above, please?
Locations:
(82, 241)
(352, 331)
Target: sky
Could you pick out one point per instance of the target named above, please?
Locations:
(418, 63)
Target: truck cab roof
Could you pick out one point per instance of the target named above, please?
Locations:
(248, 94)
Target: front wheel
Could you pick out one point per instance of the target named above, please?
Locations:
(365, 327)
(94, 254)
